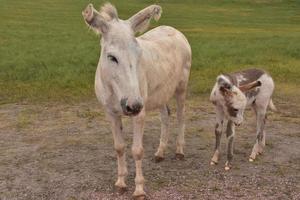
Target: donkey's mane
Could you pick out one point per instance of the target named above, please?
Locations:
(108, 12)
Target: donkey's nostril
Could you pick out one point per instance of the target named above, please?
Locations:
(131, 108)
(128, 109)
(137, 107)
(124, 103)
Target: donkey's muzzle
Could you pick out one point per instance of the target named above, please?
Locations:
(131, 108)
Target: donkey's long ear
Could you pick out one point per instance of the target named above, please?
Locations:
(225, 86)
(109, 12)
(140, 21)
(250, 86)
(94, 20)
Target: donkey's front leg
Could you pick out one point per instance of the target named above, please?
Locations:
(137, 153)
(119, 145)
(260, 136)
(218, 134)
(230, 132)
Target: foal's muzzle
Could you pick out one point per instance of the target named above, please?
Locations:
(237, 124)
(131, 108)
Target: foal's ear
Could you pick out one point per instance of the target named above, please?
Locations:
(250, 86)
(225, 86)
(140, 21)
(94, 20)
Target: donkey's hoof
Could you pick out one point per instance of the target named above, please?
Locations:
(251, 159)
(139, 197)
(158, 159)
(121, 190)
(179, 156)
(227, 168)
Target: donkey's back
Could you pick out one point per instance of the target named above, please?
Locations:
(168, 38)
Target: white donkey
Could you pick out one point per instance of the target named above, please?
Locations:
(138, 74)
(231, 94)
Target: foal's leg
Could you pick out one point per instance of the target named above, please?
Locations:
(260, 133)
(218, 133)
(180, 99)
(230, 132)
(164, 117)
(137, 153)
(119, 146)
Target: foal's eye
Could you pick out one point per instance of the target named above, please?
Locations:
(112, 58)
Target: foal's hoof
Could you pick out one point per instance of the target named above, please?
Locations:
(179, 156)
(251, 159)
(213, 163)
(158, 159)
(139, 197)
(227, 166)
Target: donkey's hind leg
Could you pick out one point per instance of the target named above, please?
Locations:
(180, 142)
(164, 137)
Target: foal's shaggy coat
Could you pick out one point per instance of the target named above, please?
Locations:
(230, 95)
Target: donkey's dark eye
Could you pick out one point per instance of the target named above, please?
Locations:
(112, 58)
(235, 110)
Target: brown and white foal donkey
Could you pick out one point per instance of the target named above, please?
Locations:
(136, 75)
(230, 95)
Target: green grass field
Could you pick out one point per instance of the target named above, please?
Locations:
(48, 54)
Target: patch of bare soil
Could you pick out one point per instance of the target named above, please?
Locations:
(65, 152)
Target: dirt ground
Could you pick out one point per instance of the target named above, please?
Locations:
(59, 151)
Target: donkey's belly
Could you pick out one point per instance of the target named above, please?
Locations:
(163, 79)
(160, 97)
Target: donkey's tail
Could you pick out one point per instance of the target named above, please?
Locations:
(272, 106)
